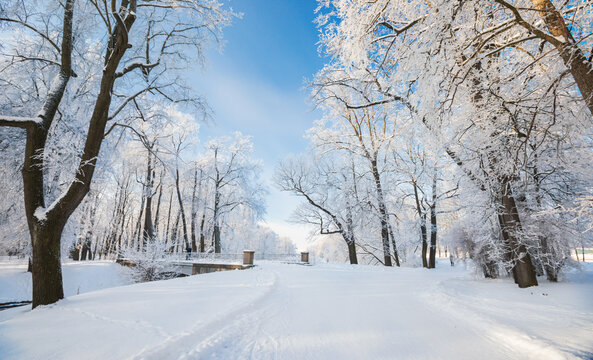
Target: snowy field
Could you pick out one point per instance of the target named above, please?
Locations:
(279, 311)
(78, 277)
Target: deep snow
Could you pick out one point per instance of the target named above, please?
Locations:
(280, 311)
(78, 277)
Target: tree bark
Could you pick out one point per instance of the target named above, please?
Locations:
(433, 225)
(47, 267)
(424, 240)
(216, 237)
(382, 213)
(573, 57)
(352, 253)
(395, 253)
(148, 232)
(158, 207)
(523, 270)
(422, 217)
(202, 242)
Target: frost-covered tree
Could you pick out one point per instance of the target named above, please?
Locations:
(330, 193)
(493, 83)
(63, 43)
(234, 180)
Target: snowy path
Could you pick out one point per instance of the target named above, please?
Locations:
(319, 312)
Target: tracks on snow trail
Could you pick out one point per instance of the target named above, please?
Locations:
(479, 312)
(205, 338)
(345, 313)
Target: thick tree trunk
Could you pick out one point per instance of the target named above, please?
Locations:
(523, 270)
(47, 267)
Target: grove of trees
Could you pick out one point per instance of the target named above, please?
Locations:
(98, 118)
(465, 121)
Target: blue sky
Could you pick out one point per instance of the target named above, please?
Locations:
(256, 86)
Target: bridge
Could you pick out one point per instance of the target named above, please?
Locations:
(202, 263)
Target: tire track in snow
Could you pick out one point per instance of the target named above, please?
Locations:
(175, 346)
(241, 339)
(518, 343)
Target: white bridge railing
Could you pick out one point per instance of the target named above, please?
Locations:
(247, 257)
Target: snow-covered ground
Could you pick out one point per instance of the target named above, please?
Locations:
(78, 277)
(280, 311)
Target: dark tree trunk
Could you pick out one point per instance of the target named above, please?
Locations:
(216, 232)
(523, 270)
(433, 224)
(138, 231)
(45, 235)
(202, 242)
(422, 217)
(158, 207)
(216, 238)
(382, 213)
(148, 232)
(47, 268)
(424, 242)
(352, 252)
(395, 253)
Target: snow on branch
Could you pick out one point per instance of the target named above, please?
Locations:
(133, 66)
(20, 122)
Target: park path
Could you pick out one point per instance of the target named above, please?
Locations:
(289, 311)
(340, 312)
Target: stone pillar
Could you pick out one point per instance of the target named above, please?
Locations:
(248, 256)
(305, 257)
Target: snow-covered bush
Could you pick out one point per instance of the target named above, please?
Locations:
(152, 263)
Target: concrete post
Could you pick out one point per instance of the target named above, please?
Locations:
(248, 256)
(305, 257)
